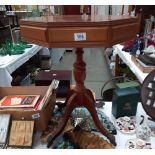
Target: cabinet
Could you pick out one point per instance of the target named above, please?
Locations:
(5, 29)
(146, 12)
(71, 9)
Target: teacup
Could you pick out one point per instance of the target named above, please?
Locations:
(140, 144)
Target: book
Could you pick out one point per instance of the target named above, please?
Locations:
(21, 101)
(44, 101)
(143, 67)
(21, 134)
(147, 60)
(4, 127)
(143, 64)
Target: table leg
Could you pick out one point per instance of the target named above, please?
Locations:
(117, 66)
(80, 96)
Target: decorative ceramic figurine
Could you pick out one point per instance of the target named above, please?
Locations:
(150, 49)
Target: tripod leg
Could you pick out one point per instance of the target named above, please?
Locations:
(69, 108)
(89, 104)
(69, 94)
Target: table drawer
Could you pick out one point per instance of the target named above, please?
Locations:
(124, 32)
(38, 33)
(67, 34)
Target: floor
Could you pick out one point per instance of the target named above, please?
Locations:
(97, 69)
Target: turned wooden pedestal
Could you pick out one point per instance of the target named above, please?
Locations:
(81, 96)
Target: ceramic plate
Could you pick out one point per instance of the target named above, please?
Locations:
(131, 144)
(126, 124)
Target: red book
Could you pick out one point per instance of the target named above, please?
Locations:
(21, 101)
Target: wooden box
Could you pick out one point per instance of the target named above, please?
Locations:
(45, 78)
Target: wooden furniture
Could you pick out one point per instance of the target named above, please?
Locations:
(45, 78)
(71, 9)
(146, 11)
(5, 29)
(79, 32)
(76, 9)
(58, 31)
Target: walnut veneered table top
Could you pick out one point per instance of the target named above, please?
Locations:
(77, 20)
(65, 30)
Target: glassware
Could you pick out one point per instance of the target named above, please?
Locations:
(143, 131)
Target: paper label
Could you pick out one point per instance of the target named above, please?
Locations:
(36, 116)
(16, 100)
(80, 36)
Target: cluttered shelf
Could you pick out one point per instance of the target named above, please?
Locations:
(126, 58)
(138, 53)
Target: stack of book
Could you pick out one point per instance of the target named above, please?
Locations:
(144, 63)
(19, 101)
(35, 102)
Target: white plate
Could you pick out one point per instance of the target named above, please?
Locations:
(131, 144)
(126, 125)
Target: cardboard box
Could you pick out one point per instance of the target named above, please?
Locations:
(41, 117)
